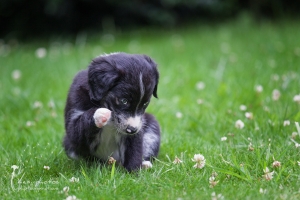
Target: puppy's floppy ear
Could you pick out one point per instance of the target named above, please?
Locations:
(102, 76)
(156, 74)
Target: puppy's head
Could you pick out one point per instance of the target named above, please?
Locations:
(123, 83)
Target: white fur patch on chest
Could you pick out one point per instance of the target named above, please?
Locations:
(111, 144)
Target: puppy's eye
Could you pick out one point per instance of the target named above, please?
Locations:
(146, 103)
(124, 101)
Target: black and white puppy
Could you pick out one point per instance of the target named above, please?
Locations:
(105, 111)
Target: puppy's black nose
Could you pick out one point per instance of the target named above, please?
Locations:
(131, 130)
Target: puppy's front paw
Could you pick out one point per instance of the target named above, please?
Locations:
(146, 164)
(101, 117)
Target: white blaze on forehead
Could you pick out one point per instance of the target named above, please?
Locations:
(142, 90)
(135, 122)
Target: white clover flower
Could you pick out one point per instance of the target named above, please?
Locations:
(259, 88)
(46, 167)
(268, 175)
(223, 138)
(178, 115)
(214, 196)
(199, 101)
(29, 123)
(298, 163)
(16, 74)
(297, 98)
(294, 135)
(262, 191)
(73, 197)
(249, 115)
(239, 124)
(111, 161)
(286, 123)
(200, 85)
(41, 52)
(243, 107)
(66, 189)
(73, 180)
(177, 160)
(276, 163)
(200, 161)
(276, 95)
(37, 104)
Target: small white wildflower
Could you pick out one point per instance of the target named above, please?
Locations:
(200, 161)
(41, 52)
(29, 123)
(262, 191)
(51, 104)
(66, 189)
(297, 98)
(111, 161)
(200, 85)
(239, 124)
(298, 163)
(268, 175)
(297, 145)
(14, 167)
(294, 135)
(199, 101)
(276, 95)
(214, 196)
(212, 182)
(223, 138)
(286, 123)
(177, 160)
(73, 180)
(243, 107)
(250, 147)
(37, 104)
(249, 115)
(276, 163)
(46, 167)
(16, 74)
(73, 197)
(259, 88)
(178, 115)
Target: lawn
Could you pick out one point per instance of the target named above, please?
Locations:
(227, 91)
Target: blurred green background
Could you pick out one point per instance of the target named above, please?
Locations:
(27, 18)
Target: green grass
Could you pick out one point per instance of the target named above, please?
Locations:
(231, 59)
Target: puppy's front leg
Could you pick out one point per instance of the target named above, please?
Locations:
(101, 117)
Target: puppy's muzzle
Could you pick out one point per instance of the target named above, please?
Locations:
(131, 130)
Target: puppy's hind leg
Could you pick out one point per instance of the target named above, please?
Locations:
(151, 140)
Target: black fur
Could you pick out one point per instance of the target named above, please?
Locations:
(109, 80)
